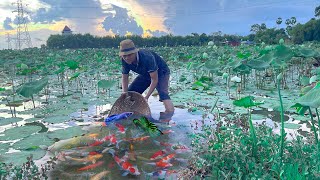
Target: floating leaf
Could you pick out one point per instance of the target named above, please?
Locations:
(246, 102)
(66, 133)
(6, 121)
(106, 84)
(291, 126)
(30, 88)
(19, 132)
(33, 140)
(18, 158)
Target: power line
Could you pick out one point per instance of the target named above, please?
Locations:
(8, 40)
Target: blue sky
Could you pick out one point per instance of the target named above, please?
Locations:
(149, 17)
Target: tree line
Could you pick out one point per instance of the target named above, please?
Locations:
(293, 32)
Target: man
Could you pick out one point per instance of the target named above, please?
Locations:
(152, 69)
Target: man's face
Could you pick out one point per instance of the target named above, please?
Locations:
(129, 58)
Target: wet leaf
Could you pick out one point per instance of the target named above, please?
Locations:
(19, 132)
(28, 89)
(246, 102)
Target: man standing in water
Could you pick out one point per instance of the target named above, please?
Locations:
(153, 73)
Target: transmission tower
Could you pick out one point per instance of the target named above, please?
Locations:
(8, 41)
(23, 36)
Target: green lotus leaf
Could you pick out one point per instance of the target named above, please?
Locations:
(234, 63)
(66, 133)
(106, 84)
(56, 119)
(18, 158)
(6, 121)
(19, 132)
(310, 99)
(261, 63)
(33, 140)
(72, 64)
(291, 126)
(246, 102)
(4, 147)
(306, 52)
(30, 88)
(282, 53)
(211, 65)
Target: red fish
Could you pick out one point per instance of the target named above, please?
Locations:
(91, 166)
(162, 143)
(161, 164)
(121, 128)
(157, 154)
(125, 165)
(96, 143)
(168, 158)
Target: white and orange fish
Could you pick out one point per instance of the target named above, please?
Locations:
(125, 165)
(100, 175)
(158, 154)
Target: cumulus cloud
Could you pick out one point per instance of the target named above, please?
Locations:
(121, 23)
(6, 24)
(157, 33)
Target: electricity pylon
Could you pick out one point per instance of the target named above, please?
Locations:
(23, 36)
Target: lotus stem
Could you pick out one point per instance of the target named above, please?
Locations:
(318, 119)
(313, 127)
(282, 120)
(253, 135)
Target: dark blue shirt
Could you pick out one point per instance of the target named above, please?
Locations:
(148, 62)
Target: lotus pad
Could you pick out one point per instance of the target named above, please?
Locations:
(4, 147)
(6, 121)
(19, 132)
(292, 126)
(56, 119)
(66, 133)
(18, 158)
(33, 140)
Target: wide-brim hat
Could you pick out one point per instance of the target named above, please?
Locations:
(127, 47)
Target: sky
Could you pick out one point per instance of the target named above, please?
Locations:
(146, 17)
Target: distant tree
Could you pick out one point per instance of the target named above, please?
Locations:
(279, 21)
(317, 11)
(255, 28)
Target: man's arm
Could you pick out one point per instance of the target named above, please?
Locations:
(125, 82)
(154, 82)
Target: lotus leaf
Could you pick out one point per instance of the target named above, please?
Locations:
(258, 117)
(33, 140)
(211, 65)
(19, 132)
(66, 133)
(306, 52)
(6, 121)
(291, 126)
(261, 63)
(282, 53)
(246, 102)
(18, 158)
(56, 119)
(72, 64)
(4, 147)
(30, 88)
(106, 84)
(310, 99)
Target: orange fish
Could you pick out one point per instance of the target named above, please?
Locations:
(143, 138)
(157, 154)
(96, 143)
(89, 158)
(162, 164)
(168, 158)
(91, 166)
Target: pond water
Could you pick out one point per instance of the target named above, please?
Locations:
(73, 153)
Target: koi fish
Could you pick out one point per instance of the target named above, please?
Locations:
(113, 140)
(147, 126)
(160, 174)
(100, 175)
(117, 117)
(157, 154)
(168, 158)
(168, 131)
(125, 165)
(162, 143)
(96, 143)
(89, 158)
(91, 166)
(143, 138)
(161, 164)
(178, 148)
(121, 128)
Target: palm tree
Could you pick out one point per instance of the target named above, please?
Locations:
(279, 21)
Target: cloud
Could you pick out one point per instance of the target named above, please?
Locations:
(120, 23)
(6, 24)
(157, 33)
